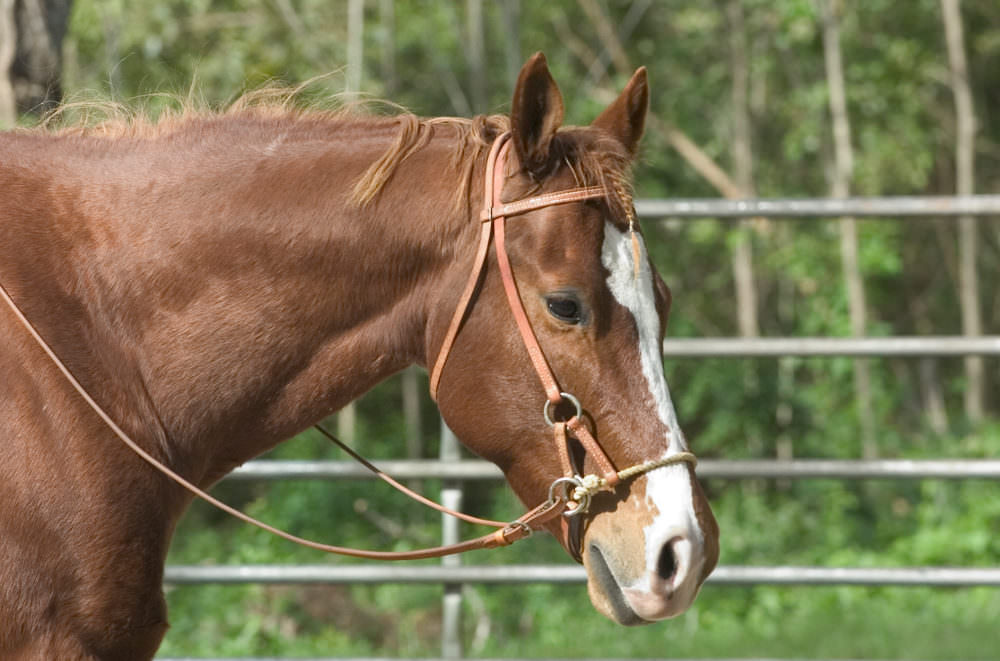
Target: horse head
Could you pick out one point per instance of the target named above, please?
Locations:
(598, 308)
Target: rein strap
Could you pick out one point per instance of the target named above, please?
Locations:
(507, 534)
(568, 502)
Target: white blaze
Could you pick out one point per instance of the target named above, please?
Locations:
(668, 488)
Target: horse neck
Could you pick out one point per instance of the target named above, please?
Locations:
(234, 302)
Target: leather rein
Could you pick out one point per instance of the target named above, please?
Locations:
(569, 495)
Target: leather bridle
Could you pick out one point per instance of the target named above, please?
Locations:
(569, 494)
(573, 490)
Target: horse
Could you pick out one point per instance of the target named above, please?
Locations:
(219, 281)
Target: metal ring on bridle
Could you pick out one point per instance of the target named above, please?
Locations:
(566, 483)
(568, 397)
(514, 525)
(568, 486)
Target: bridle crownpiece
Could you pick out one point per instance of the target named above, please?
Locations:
(572, 489)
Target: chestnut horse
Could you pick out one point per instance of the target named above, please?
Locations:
(219, 282)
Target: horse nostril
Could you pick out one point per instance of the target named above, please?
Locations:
(666, 564)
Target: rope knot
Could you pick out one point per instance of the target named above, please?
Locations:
(576, 492)
(587, 486)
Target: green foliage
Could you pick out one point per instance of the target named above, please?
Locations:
(211, 51)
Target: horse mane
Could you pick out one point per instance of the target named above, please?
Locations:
(155, 115)
(593, 158)
(473, 137)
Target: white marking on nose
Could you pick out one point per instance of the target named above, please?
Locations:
(668, 488)
(639, 299)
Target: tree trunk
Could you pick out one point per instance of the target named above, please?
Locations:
(964, 185)
(742, 155)
(347, 424)
(784, 412)
(933, 398)
(932, 403)
(413, 418)
(8, 41)
(299, 32)
(412, 414)
(111, 27)
(599, 65)
(695, 157)
(511, 14)
(355, 45)
(31, 36)
(606, 33)
(840, 187)
(476, 54)
(387, 15)
(442, 65)
(37, 70)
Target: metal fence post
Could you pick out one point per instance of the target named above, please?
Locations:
(451, 497)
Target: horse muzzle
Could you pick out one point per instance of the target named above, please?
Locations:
(647, 557)
(657, 592)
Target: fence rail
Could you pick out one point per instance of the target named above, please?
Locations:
(772, 347)
(475, 470)
(522, 574)
(927, 206)
(444, 658)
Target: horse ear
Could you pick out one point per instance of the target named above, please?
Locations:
(625, 118)
(536, 113)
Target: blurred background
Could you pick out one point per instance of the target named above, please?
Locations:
(750, 98)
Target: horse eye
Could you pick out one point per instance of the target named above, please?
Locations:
(564, 308)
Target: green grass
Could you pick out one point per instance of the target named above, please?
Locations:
(558, 621)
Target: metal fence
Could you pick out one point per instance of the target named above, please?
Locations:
(454, 472)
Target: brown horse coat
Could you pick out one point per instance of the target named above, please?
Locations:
(220, 282)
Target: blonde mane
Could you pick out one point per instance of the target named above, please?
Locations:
(474, 136)
(593, 157)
